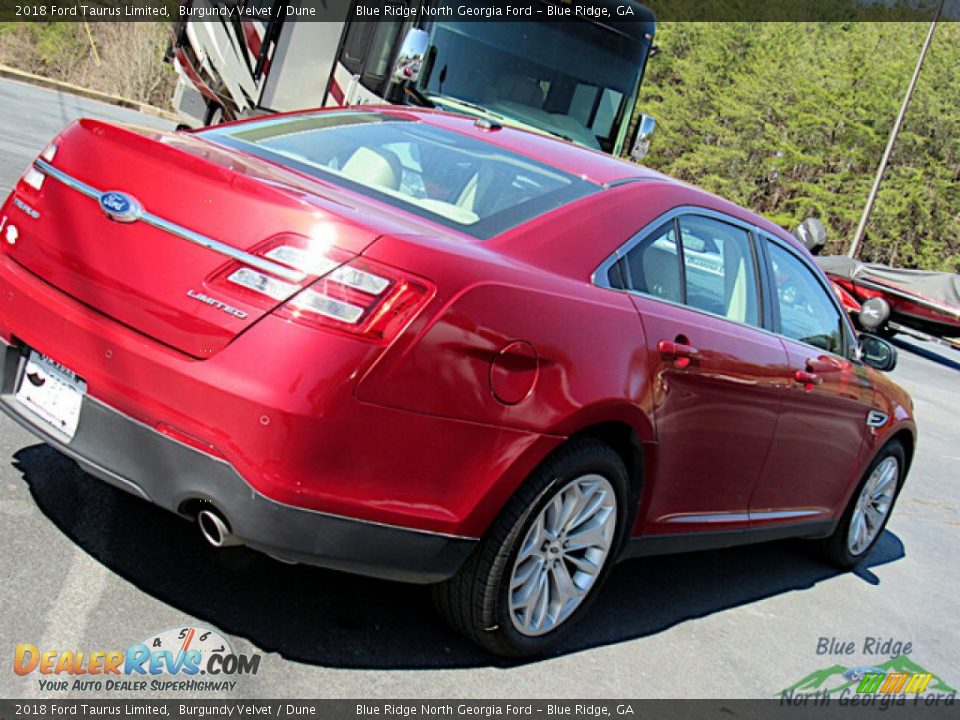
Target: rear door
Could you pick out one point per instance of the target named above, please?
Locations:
(822, 424)
(717, 378)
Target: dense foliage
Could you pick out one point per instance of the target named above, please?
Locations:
(120, 58)
(791, 120)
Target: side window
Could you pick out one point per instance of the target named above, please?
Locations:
(653, 265)
(807, 313)
(719, 269)
(615, 276)
(356, 44)
(368, 50)
(381, 51)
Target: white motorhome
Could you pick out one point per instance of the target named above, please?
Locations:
(575, 78)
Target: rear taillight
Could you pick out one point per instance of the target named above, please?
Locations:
(262, 283)
(298, 260)
(362, 298)
(337, 290)
(33, 177)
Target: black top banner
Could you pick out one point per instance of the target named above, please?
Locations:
(614, 11)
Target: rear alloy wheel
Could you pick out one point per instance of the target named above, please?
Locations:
(869, 508)
(563, 553)
(544, 559)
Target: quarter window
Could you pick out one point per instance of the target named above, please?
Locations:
(710, 266)
(654, 266)
(807, 313)
(719, 270)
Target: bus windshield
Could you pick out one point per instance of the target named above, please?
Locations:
(574, 80)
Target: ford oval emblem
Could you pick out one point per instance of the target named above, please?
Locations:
(120, 207)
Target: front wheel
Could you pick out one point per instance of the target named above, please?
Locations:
(544, 560)
(869, 510)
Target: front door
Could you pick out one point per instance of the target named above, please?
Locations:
(822, 424)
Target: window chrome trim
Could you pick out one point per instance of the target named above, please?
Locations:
(600, 276)
(241, 256)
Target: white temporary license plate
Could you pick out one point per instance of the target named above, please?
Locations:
(52, 392)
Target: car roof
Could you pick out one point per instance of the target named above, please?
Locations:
(588, 164)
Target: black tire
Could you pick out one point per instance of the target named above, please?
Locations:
(215, 115)
(474, 602)
(836, 547)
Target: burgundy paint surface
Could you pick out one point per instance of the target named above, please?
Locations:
(514, 351)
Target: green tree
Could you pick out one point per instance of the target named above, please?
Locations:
(790, 119)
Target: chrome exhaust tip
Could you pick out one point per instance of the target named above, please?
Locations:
(215, 529)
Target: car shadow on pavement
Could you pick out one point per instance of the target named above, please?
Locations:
(327, 618)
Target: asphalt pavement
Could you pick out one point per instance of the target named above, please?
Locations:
(87, 567)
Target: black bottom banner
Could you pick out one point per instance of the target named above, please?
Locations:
(827, 707)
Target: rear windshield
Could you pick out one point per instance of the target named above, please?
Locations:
(452, 179)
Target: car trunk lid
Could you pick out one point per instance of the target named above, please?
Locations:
(203, 212)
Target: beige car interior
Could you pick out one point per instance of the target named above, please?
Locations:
(740, 297)
(658, 274)
(380, 168)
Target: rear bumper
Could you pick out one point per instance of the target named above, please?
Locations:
(277, 404)
(136, 458)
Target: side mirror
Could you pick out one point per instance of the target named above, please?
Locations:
(812, 234)
(641, 146)
(410, 58)
(877, 352)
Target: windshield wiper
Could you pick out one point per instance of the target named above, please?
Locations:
(438, 99)
(559, 135)
(422, 100)
(441, 99)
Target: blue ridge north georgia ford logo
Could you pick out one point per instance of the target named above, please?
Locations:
(120, 206)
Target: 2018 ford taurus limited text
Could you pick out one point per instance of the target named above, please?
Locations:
(415, 346)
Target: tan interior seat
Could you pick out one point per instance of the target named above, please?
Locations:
(368, 166)
(660, 273)
(740, 305)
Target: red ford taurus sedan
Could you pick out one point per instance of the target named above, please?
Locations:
(418, 346)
